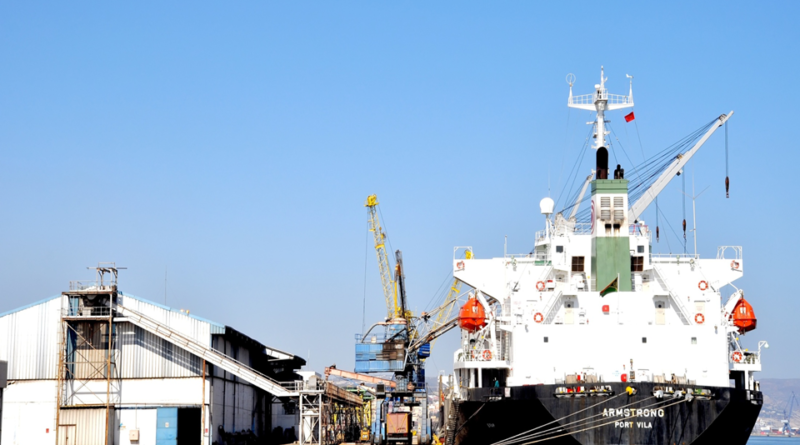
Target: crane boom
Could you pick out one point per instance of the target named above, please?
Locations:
(580, 196)
(650, 194)
(380, 251)
(356, 376)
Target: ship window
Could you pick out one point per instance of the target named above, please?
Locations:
(546, 339)
(637, 263)
(559, 249)
(640, 249)
(577, 264)
(694, 340)
(644, 339)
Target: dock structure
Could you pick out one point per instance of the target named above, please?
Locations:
(130, 371)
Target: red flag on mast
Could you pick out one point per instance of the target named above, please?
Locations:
(629, 117)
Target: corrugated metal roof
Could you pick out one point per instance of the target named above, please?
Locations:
(29, 341)
(145, 305)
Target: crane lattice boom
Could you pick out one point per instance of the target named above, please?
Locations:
(380, 251)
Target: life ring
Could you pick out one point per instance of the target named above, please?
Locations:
(737, 356)
(540, 286)
(703, 285)
(487, 355)
(734, 265)
(538, 317)
(699, 318)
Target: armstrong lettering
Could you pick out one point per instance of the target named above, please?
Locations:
(630, 412)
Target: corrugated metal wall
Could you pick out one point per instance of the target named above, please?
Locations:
(29, 340)
(85, 426)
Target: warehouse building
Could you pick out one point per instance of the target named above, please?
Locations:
(95, 365)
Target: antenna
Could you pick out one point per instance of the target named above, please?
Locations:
(694, 211)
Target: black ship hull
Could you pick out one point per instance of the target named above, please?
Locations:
(534, 414)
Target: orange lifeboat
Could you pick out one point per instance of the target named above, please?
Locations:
(472, 317)
(743, 316)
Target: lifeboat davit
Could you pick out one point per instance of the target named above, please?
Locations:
(743, 316)
(472, 316)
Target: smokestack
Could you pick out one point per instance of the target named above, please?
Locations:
(602, 163)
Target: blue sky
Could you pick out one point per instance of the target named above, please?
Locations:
(234, 145)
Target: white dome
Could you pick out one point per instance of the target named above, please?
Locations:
(546, 205)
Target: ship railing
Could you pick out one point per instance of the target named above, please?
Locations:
(618, 99)
(751, 358)
(583, 99)
(600, 94)
(537, 257)
(640, 230)
(672, 257)
(733, 253)
(568, 228)
(477, 355)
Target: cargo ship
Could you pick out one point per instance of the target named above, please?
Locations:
(591, 337)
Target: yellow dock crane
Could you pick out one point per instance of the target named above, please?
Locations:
(407, 341)
(393, 308)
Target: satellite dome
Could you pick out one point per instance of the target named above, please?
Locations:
(547, 205)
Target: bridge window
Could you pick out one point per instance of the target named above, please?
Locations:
(577, 264)
(637, 263)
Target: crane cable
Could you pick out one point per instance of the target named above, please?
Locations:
(727, 178)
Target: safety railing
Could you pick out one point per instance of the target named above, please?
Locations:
(79, 286)
(528, 257)
(588, 99)
(83, 311)
(480, 355)
(639, 230)
(722, 250)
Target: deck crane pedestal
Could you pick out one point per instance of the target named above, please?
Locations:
(399, 345)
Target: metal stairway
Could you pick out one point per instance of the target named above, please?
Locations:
(210, 355)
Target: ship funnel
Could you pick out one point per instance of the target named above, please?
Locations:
(602, 163)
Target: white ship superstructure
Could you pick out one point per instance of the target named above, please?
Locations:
(592, 303)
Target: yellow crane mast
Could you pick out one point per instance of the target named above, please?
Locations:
(388, 283)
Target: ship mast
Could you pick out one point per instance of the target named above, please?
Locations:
(599, 101)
